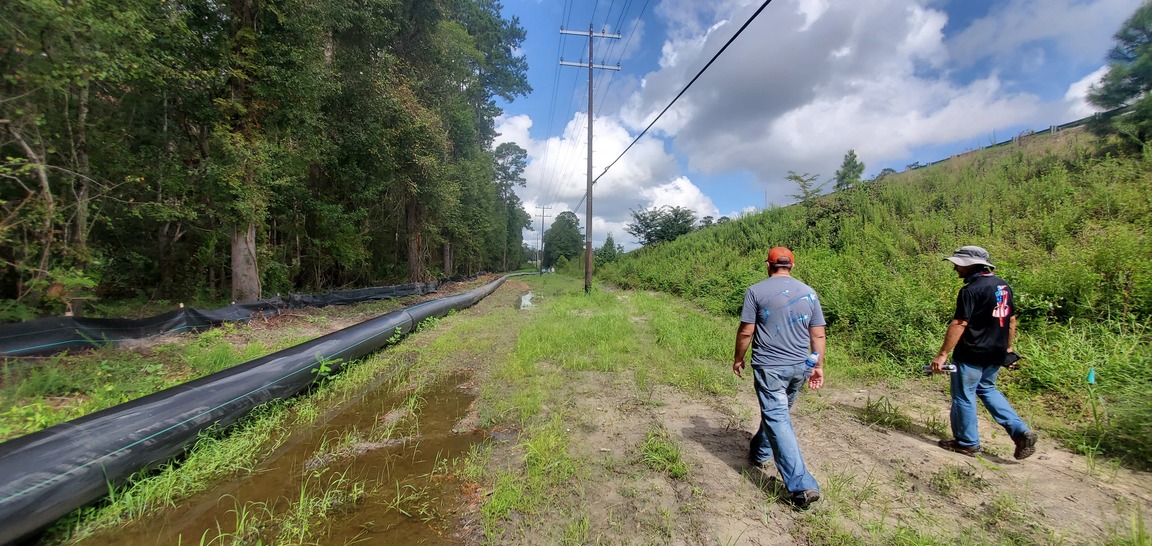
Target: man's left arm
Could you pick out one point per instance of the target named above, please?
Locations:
(1012, 334)
(819, 343)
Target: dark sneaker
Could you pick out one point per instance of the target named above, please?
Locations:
(1025, 445)
(756, 464)
(804, 499)
(953, 445)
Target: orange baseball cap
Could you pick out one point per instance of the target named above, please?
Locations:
(780, 256)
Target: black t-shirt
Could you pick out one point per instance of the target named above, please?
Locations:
(986, 303)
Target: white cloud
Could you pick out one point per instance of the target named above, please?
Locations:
(1078, 106)
(556, 175)
(810, 79)
(680, 192)
(811, 10)
(1079, 29)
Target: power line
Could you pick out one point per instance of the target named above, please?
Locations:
(681, 93)
(556, 173)
(540, 237)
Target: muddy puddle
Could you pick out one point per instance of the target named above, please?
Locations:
(369, 472)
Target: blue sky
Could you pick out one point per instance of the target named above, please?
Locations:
(898, 81)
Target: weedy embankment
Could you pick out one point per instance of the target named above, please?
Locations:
(633, 430)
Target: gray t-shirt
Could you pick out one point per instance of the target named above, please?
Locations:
(782, 308)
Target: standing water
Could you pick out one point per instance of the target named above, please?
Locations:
(381, 490)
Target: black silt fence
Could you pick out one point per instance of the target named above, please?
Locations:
(47, 474)
(53, 335)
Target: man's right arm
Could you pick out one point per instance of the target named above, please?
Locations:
(743, 339)
(951, 338)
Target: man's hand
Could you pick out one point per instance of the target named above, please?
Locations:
(1012, 359)
(816, 380)
(938, 363)
(736, 367)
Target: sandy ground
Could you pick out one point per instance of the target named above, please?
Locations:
(881, 485)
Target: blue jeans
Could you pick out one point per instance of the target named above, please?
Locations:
(969, 382)
(777, 387)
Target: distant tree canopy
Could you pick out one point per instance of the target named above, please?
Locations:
(660, 224)
(563, 239)
(510, 162)
(1129, 78)
(608, 253)
(215, 149)
(851, 169)
(884, 173)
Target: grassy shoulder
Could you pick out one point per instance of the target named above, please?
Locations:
(632, 429)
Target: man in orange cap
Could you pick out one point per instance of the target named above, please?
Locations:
(784, 324)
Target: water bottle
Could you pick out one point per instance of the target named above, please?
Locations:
(948, 367)
(813, 359)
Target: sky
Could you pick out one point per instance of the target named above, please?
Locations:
(898, 81)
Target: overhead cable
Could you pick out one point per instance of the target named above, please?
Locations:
(681, 93)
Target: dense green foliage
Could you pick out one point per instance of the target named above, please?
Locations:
(1068, 230)
(1128, 81)
(563, 242)
(849, 173)
(608, 253)
(176, 149)
(661, 224)
(806, 186)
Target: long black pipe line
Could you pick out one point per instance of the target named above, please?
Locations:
(49, 473)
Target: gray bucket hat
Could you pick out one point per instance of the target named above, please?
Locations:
(970, 255)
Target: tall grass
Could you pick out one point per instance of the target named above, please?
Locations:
(1068, 230)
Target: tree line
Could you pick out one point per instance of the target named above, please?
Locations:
(193, 148)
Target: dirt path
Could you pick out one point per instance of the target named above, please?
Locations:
(872, 448)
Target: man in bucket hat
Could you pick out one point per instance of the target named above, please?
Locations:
(980, 339)
(783, 323)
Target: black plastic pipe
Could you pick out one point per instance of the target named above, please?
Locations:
(49, 473)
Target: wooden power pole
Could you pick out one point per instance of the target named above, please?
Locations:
(540, 237)
(588, 216)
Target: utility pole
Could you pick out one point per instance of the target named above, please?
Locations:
(588, 221)
(540, 237)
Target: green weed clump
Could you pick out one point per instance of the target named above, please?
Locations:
(1066, 228)
(660, 453)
